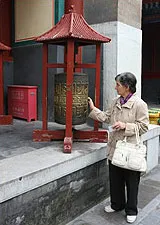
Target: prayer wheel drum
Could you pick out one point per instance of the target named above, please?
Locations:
(80, 98)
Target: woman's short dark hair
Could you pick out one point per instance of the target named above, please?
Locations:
(127, 79)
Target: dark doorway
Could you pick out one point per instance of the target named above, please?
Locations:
(151, 52)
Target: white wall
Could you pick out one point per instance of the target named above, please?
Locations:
(122, 54)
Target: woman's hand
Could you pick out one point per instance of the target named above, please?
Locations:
(90, 102)
(119, 126)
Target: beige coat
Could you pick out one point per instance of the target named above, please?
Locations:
(134, 111)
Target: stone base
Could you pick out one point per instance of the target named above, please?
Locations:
(60, 201)
(152, 140)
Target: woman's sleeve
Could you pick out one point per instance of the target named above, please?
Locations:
(142, 120)
(101, 116)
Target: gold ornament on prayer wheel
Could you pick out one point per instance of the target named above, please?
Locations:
(80, 98)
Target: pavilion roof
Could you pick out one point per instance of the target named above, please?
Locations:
(72, 25)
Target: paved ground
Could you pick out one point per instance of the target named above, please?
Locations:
(17, 139)
(149, 206)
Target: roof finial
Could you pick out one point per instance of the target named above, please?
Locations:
(74, 6)
(71, 9)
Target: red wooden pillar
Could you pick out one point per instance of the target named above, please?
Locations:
(45, 87)
(69, 82)
(97, 81)
(79, 59)
(1, 85)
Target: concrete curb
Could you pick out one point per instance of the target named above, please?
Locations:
(25, 172)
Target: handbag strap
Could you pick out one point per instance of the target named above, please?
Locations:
(137, 135)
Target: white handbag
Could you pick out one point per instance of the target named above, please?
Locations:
(130, 156)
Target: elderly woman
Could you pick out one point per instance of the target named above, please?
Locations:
(126, 110)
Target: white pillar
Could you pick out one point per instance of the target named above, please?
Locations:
(122, 54)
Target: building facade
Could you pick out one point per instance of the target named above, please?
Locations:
(52, 196)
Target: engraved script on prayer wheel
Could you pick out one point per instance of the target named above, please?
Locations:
(80, 98)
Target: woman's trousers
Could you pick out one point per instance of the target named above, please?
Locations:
(124, 185)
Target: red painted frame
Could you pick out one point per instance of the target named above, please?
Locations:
(4, 119)
(69, 134)
(1, 85)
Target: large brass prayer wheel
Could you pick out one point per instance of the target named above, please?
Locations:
(80, 98)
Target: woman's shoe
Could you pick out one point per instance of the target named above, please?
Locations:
(108, 209)
(131, 219)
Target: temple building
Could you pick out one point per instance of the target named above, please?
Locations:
(132, 26)
(39, 41)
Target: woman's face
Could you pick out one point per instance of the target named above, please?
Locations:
(121, 89)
